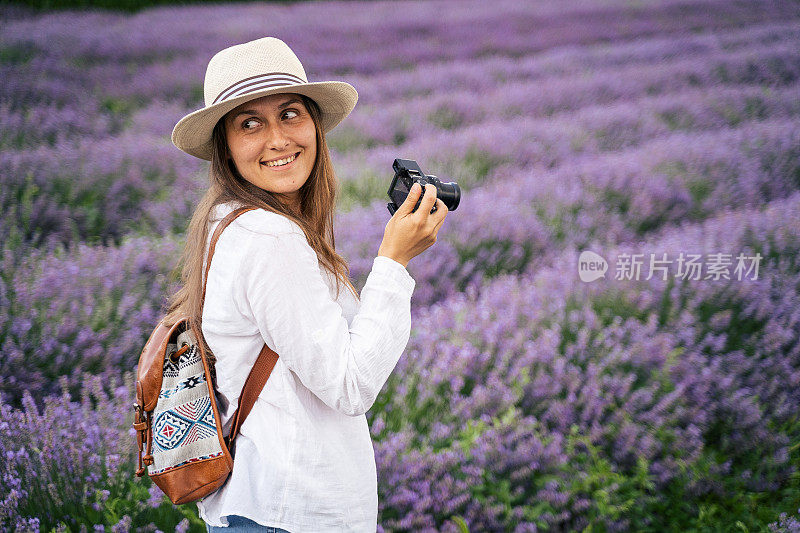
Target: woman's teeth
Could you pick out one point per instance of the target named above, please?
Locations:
(280, 162)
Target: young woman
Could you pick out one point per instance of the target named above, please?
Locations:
(304, 460)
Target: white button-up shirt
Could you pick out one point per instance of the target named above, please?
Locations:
(303, 459)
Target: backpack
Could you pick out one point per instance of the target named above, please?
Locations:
(176, 418)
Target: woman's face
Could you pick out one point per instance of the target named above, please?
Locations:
(272, 141)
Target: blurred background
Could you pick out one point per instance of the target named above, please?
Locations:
(528, 399)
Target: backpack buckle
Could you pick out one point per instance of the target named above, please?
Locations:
(140, 426)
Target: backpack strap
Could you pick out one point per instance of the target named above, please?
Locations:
(267, 358)
(233, 215)
(252, 388)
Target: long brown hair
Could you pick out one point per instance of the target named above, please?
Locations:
(317, 205)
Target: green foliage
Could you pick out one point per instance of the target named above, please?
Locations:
(613, 495)
(461, 524)
(476, 166)
(676, 119)
(363, 191)
(699, 189)
(18, 55)
(506, 262)
(127, 496)
(498, 489)
(446, 118)
(346, 138)
(615, 304)
(742, 330)
(22, 212)
(120, 110)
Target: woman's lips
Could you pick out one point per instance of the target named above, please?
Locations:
(281, 167)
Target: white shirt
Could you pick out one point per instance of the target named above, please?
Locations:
(303, 459)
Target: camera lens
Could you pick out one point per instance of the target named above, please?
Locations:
(450, 194)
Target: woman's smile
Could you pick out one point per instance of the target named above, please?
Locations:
(281, 163)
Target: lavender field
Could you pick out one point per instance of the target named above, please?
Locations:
(659, 398)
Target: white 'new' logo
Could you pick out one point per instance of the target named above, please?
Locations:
(591, 266)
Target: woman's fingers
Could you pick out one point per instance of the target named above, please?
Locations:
(438, 216)
(429, 199)
(410, 201)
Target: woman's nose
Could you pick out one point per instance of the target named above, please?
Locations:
(276, 138)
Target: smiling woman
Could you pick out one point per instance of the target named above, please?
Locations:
(272, 142)
(303, 457)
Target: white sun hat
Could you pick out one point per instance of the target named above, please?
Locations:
(251, 70)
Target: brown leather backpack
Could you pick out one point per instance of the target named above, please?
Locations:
(176, 414)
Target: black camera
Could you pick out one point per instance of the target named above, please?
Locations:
(406, 174)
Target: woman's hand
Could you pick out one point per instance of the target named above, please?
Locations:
(409, 234)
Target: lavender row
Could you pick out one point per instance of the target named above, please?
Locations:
(453, 110)
(51, 124)
(416, 124)
(485, 73)
(97, 189)
(121, 82)
(465, 156)
(503, 27)
(158, 80)
(465, 153)
(107, 201)
(68, 463)
(522, 214)
(86, 310)
(428, 79)
(468, 151)
(651, 381)
(377, 87)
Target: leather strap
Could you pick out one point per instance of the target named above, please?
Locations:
(267, 358)
(252, 387)
(233, 215)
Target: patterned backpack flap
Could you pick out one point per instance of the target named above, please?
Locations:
(179, 422)
(184, 423)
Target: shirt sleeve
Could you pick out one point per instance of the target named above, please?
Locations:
(345, 366)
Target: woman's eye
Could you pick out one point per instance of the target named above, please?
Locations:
(249, 121)
(291, 113)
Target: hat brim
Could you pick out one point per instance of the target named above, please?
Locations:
(192, 133)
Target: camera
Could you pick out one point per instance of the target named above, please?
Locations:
(406, 174)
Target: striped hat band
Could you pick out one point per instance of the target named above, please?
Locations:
(257, 83)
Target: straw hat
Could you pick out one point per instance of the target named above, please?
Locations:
(251, 70)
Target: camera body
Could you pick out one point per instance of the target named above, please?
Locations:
(406, 173)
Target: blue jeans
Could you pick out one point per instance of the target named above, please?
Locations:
(240, 524)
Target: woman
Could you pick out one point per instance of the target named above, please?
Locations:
(303, 458)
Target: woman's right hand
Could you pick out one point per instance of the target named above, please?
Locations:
(409, 234)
